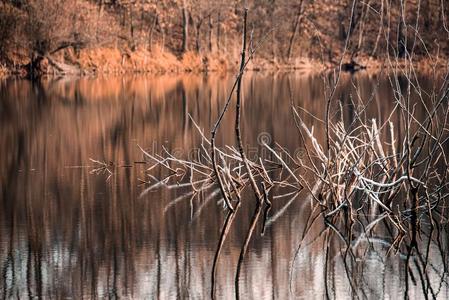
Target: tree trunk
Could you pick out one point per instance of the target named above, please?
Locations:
(185, 27)
(273, 34)
(361, 25)
(426, 13)
(151, 33)
(163, 36)
(381, 24)
(402, 40)
(341, 27)
(295, 30)
(210, 33)
(131, 27)
(99, 16)
(218, 31)
(142, 15)
(443, 15)
(197, 39)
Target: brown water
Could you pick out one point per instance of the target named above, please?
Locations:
(66, 232)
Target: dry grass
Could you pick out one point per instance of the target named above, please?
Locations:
(115, 61)
(3, 71)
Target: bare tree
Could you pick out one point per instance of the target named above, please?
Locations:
(185, 26)
(298, 17)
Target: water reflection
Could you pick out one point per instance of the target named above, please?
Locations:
(67, 233)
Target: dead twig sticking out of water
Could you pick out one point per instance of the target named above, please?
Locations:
(365, 176)
(396, 183)
(231, 170)
(102, 168)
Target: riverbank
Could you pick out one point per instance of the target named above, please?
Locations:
(114, 61)
(158, 61)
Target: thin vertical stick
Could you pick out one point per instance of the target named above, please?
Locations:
(233, 211)
(254, 186)
(238, 132)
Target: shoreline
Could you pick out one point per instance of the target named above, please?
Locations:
(113, 61)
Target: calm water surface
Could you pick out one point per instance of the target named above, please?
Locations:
(66, 232)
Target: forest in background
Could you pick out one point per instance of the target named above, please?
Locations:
(110, 36)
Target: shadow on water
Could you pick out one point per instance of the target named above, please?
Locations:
(65, 232)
